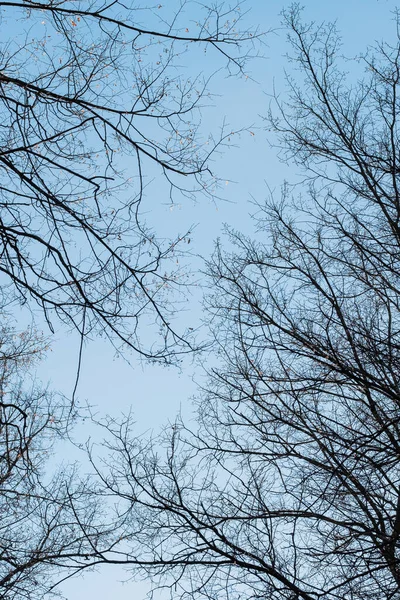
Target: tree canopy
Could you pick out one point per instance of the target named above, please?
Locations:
(288, 486)
(92, 105)
(94, 102)
(38, 521)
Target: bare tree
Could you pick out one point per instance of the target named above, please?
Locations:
(41, 504)
(289, 487)
(93, 105)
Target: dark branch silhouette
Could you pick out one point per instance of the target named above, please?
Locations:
(288, 488)
(38, 522)
(92, 106)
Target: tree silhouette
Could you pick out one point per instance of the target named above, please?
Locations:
(39, 502)
(289, 485)
(93, 105)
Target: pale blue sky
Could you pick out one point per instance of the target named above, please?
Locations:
(155, 393)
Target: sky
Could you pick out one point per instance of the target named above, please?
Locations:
(155, 393)
(248, 170)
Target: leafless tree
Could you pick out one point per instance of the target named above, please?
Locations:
(42, 505)
(288, 488)
(93, 104)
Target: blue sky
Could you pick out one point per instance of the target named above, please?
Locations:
(154, 393)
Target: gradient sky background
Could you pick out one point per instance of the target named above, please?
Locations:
(154, 393)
